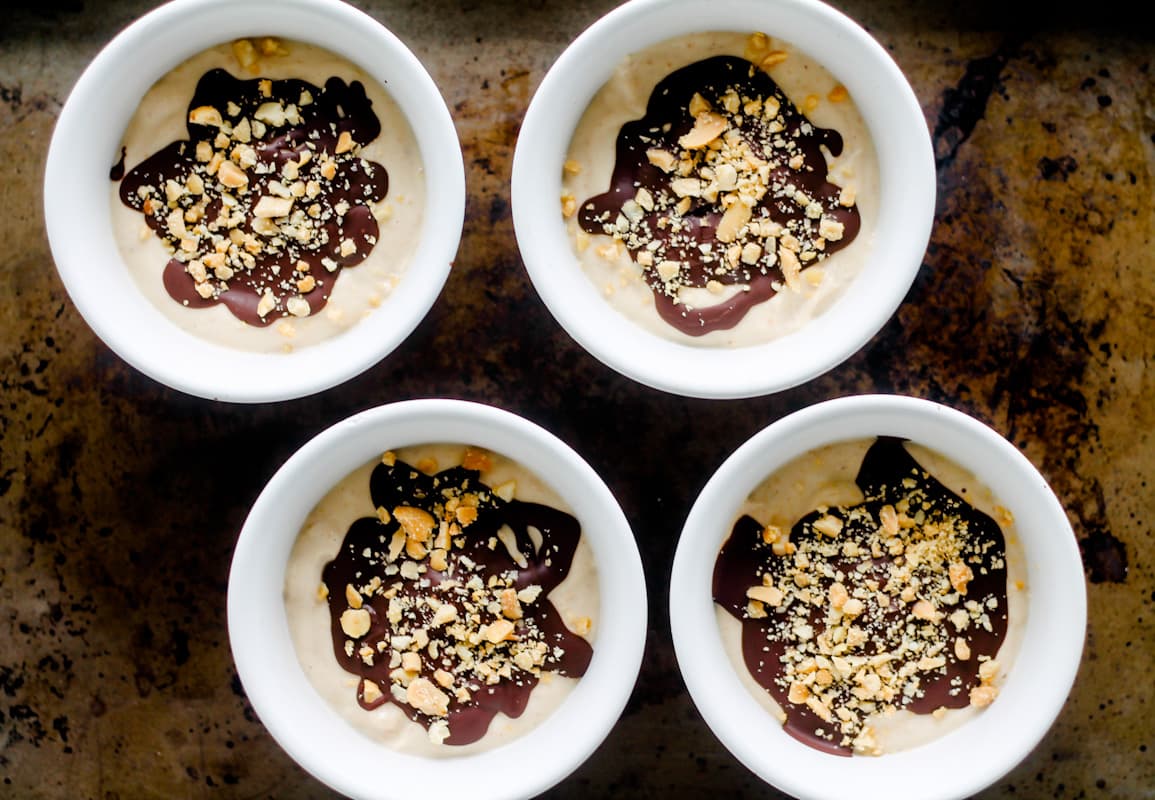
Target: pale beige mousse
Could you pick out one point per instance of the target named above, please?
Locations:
(576, 600)
(588, 170)
(360, 290)
(825, 477)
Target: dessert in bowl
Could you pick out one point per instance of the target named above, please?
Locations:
(873, 591)
(723, 200)
(431, 583)
(250, 217)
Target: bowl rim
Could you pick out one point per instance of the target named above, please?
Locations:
(907, 197)
(991, 744)
(309, 730)
(87, 137)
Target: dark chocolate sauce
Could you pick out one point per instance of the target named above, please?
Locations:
(476, 551)
(666, 120)
(766, 641)
(117, 171)
(273, 259)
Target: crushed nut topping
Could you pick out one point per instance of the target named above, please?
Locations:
(722, 184)
(268, 198)
(445, 609)
(899, 602)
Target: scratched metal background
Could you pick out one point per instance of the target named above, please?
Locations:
(120, 500)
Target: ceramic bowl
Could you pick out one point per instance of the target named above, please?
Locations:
(78, 197)
(891, 113)
(309, 729)
(969, 757)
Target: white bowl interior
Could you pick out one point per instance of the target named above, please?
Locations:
(963, 761)
(906, 166)
(307, 727)
(85, 144)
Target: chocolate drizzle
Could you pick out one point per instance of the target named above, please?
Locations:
(281, 133)
(889, 476)
(789, 148)
(117, 170)
(476, 561)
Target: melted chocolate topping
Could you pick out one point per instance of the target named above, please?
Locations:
(403, 595)
(889, 477)
(282, 134)
(117, 170)
(761, 122)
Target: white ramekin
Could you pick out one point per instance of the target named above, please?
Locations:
(963, 761)
(906, 168)
(310, 730)
(85, 144)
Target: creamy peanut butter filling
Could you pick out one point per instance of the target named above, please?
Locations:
(442, 600)
(267, 195)
(871, 596)
(742, 189)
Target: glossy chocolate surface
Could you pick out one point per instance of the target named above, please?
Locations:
(280, 257)
(887, 476)
(475, 552)
(685, 237)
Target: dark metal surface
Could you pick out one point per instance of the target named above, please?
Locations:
(120, 500)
